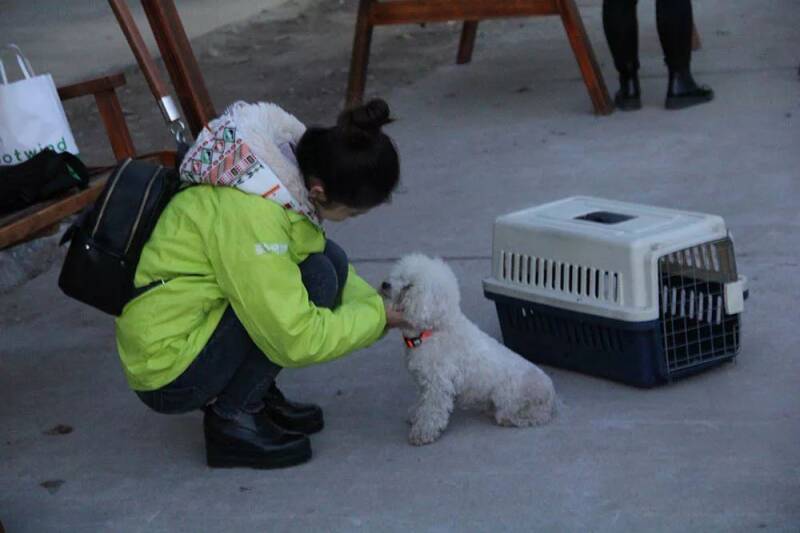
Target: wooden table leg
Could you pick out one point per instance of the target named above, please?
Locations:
(582, 48)
(467, 43)
(360, 58)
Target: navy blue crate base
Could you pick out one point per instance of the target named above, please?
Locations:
(629, 352)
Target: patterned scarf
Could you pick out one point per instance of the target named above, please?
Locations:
(221, 157)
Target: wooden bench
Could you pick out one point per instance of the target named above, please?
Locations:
(373, 13)
(35, 220)
(171, 37)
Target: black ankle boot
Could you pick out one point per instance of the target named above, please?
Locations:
(293, 416)
(683, 91)
(629, 96)
(252, 440)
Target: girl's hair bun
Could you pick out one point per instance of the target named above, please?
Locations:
(369, 117)
(356, 161)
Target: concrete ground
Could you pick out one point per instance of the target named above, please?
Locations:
(717, 452)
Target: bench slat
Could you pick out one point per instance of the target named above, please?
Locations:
(22, 225)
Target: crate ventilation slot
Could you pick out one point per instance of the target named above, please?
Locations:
(558, 276)
(592, 336)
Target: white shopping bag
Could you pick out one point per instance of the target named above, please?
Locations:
(32, 118)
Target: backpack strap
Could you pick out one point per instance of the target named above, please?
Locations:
(138, 291)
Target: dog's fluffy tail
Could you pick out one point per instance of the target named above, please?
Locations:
(530, 403)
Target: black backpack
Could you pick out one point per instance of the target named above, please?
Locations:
(108, 238)
(40, 178)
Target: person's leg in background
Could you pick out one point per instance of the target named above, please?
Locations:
(674, 21)
(622, 33)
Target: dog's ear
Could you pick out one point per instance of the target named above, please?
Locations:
(427, 290)
(424, 304)
(416, 308)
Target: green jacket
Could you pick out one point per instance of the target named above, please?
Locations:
(217, 246)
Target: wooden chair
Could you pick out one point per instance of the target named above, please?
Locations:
(373, 13)
(470, 30)
(31, 222)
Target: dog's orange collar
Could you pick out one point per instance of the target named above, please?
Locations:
(414, 342)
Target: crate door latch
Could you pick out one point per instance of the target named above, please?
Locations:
(735, 296)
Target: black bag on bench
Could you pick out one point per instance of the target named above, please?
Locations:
(42, 177)
(107, 240)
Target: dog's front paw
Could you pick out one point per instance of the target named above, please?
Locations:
(421, 435)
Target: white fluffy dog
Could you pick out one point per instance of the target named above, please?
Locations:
(454, 362)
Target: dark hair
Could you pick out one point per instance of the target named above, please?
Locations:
(356, 162)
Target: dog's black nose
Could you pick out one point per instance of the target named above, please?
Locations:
(386, 286)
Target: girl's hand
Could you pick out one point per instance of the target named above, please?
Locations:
(394, 317)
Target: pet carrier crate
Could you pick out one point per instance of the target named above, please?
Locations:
(633, 293)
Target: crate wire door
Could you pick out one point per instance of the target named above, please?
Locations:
(696, 328)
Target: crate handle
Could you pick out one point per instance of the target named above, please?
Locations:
(605, 217)
(735, 295)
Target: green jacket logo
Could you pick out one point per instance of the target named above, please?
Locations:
(271, 248)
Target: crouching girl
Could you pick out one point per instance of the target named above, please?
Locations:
(238, 280)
